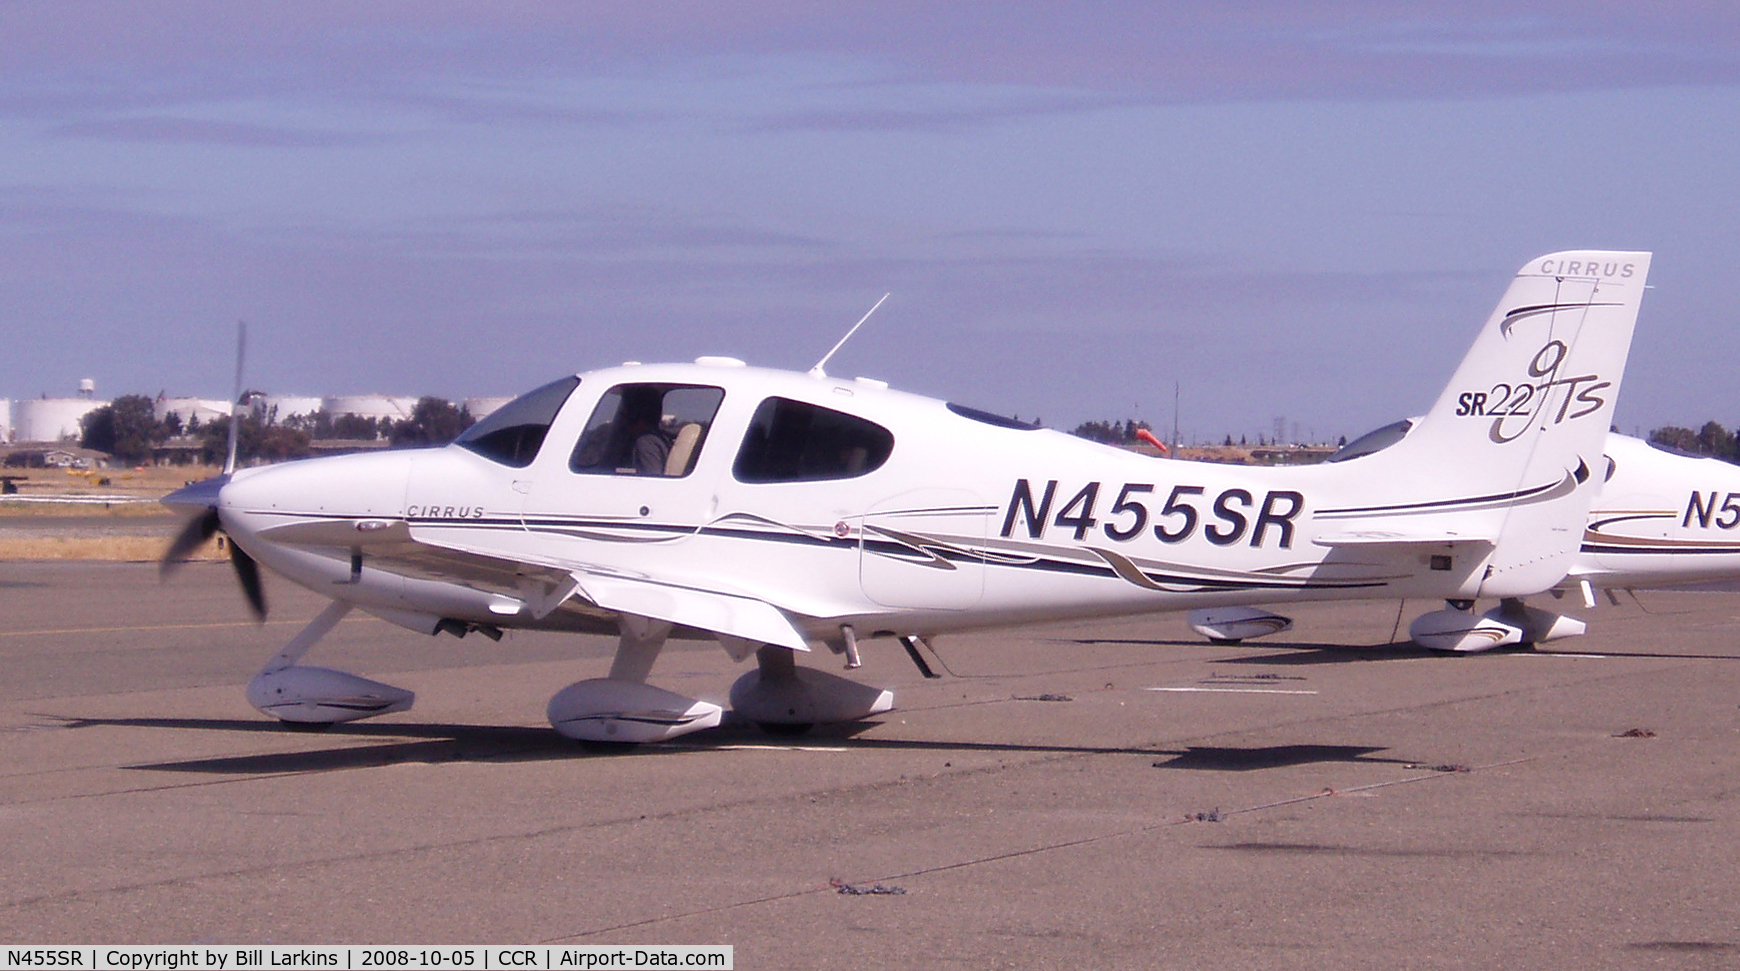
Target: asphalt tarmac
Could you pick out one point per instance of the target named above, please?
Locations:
(1111, 794)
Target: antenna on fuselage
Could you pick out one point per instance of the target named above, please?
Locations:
(817, 372)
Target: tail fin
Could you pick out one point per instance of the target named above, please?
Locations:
(1512, 448)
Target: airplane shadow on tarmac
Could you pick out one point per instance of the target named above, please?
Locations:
(1290, 652)
(433, 743)
(1306, 652)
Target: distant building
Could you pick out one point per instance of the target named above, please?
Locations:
(49, 456)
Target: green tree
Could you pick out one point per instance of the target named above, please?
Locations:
(434, 421)
(254, 441)
(1715, 440)
(356, 426)
(126, 428)
(1675, 437)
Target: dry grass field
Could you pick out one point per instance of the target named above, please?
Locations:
(106, 514)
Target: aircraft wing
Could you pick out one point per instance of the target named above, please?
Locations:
(1369, 539)
(544, 581)
(722, 613)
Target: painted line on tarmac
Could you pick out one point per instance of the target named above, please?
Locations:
(1240, 691)
(147, 627)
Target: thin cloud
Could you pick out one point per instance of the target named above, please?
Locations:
(194, 131)
(1156, 52)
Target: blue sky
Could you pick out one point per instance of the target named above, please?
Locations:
(1290, 209)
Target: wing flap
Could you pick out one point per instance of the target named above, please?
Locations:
(722, 613)
(685, 604)
(1375, 538)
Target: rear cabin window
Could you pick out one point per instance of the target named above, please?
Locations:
(794, 441)
(647, 429)
(513, 433)
(1375, 440)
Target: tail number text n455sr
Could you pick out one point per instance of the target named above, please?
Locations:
(1231, 517)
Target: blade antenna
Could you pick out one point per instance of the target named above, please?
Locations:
(817, 372)
(235, 397)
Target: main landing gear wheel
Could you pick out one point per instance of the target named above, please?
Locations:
(786, 700)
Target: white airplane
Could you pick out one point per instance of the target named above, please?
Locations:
(775, 511)
(1661, 519)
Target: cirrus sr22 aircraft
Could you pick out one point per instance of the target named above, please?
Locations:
(775, 512)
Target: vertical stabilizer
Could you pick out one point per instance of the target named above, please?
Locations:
(1512, 448)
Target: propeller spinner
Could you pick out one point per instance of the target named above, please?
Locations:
(200, 529)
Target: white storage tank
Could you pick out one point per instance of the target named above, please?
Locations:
(205, 409)
(370, 406)
(52, 419)
(283, 407)
(479, 407)
(5, 419)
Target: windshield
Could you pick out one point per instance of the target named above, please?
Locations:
(513, 433)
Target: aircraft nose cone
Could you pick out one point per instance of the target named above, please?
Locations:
(197, 495)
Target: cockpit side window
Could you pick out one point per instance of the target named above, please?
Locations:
(513, 433)
(647, 429)
(794, 441)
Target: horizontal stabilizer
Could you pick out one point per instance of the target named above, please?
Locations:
(721, 613)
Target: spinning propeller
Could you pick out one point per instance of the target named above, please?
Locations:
(199, 531)
(204, 495)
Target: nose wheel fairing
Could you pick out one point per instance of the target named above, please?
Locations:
(321, 696)
(306, 695)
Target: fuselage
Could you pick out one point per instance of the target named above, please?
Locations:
(1661, 518)
(837, 501)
